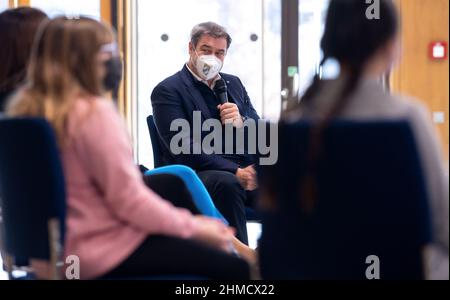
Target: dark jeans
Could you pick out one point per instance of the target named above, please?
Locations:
(230, 199)
(168, 256)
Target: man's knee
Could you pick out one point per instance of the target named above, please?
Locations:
(231, 183)
(222, 181)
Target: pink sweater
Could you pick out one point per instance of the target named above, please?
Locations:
(110, 210)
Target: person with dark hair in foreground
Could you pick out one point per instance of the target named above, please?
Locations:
(366, 51)
(19, 27)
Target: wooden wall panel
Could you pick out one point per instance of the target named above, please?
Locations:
(105, 11)
(425, 21)
(17, 3)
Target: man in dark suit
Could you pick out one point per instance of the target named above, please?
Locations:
(229, 178)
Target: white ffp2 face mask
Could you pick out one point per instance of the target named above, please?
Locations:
(208, 66)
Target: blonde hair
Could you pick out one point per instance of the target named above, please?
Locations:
(63, 67)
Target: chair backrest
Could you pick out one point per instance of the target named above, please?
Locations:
(32, 188)
(371, 201)
(156, 143)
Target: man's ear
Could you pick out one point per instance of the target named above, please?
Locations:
(191, 48)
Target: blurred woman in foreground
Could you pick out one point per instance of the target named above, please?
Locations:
(115, 224)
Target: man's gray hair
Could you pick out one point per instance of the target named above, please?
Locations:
(211, 29)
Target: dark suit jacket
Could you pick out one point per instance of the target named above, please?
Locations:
(177, 97)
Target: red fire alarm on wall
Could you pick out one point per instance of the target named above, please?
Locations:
(438, 50)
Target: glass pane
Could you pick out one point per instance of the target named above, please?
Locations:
(89, 8)
(272, 60)
(312, 22)
(4, 5)
(163, 49)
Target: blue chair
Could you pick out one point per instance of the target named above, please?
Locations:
(159, 162)
(371, 200)
(32, 191)
(196, 188)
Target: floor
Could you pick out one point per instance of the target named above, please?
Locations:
(254, 232)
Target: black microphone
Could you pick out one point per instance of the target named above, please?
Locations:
(221, 91)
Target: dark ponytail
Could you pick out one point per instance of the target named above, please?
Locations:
(352, 39)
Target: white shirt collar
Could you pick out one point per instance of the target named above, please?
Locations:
(204, 81)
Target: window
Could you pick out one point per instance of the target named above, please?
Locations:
(53, 8)
(312, 16)
(162, 50)
(4, 5)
